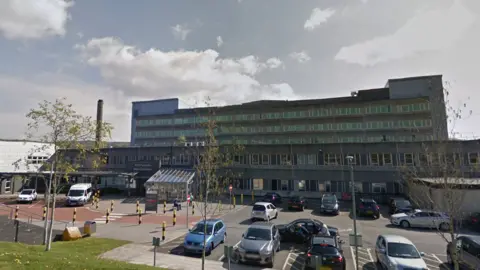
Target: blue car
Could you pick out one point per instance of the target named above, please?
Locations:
(216, 234)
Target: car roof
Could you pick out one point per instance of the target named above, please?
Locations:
(474, 238)
(82, 185)
(391, 238)
(28, 189)
(261, 224)
(262, 203)
(367, 200)
(210, 221)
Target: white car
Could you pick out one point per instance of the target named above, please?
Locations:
(397, 252)
(421, 219)
(27, 195)
(263, 211)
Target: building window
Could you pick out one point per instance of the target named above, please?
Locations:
(239, 160)
(328, 186)
(311, 159)
(408, 159)
(473, 158)
(265, 160)
(258, 184)
(356, 159)
(379, 187)
(301, 159)
(284, 185)
(285, 160)
(275, 184)
(333, 159)
(311, 185)
(255, 159)
(301, 185)
(380, 159)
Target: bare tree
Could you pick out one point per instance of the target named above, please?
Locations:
(436, 181)
(58, 125)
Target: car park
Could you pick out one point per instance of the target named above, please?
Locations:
(263, 211)
(259, 244)
(467, 250)
(297, 203)
(329, 204)
(209, 233)
(421, 219)
(273, 198)
(325, 252)
(27, 196)
(399, 205)
(394, 252)
(368, 207)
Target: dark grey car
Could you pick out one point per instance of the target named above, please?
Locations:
(329, 204)
(259, 244)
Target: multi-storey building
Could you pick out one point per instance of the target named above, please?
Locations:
(407, 109)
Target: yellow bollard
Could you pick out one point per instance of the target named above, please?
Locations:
(96, 203)
(174, 217)
(193, 209)
(234, 202)
(241, 199)
(164, 228)
(93, 200)
(44, 216)
(111, 206)
(139, 216)
(138, 207)
(16, 212)
(164, 207)
(107, 217)
(74, 216)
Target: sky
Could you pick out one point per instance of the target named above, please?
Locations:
(228, 52)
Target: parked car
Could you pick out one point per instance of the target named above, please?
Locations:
(301, 230)
(263, 211)
(216, 231)
(329, 204)
(273, 198)
(297, 202)
(421, 219)
(399, 205)
(368, 207)
(325, 251)
(79, 194)
(259, 244)
(27, 196)
(468, 251)
(473, 221)
(397, 252)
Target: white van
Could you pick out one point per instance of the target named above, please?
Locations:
(79, 194)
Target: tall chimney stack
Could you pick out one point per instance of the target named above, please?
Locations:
(98, 134)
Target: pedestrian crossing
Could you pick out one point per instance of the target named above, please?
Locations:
(112, 217)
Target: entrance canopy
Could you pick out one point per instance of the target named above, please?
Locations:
(170, 176)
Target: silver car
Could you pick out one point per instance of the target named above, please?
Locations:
(259, 244)
(421, 219)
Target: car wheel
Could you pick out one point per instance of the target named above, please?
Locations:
(210, 249)
(224, 237)
(272, 261)
(276, 215)
(444, 226)
(405, 224)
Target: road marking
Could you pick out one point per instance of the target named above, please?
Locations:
(36, 203)
(353, 258)
(286, 261)
(435, 256)
(371, 259)
(234, 246)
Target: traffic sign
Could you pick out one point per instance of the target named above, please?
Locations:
(230, 188)
(188, 198)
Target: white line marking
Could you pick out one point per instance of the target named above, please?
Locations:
(286, 261)
(353, 258)
(234, 246)
(435, 256)
(34, 204)
(432, 266)
(371, 258)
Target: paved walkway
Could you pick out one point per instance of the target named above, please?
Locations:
(143, 254)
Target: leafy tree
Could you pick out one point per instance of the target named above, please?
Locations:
(58, 124)
(436, 180)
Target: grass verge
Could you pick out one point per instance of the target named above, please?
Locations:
(80, 254)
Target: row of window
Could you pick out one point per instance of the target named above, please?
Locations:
(323, 112)
(323, 159)
(307, 140)
(373, 125)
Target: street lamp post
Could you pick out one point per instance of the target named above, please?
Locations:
(354, 206)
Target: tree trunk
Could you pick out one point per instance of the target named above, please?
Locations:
(52, 216)
(47, 198)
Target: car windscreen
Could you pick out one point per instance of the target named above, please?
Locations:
(295, 198)
(402, 250)
(329, 200)
(403, 204)
(369, 203)
(324, 250)
(200, 228)
(26, 192)
(76, 192)
(258, 234)
(259, 208)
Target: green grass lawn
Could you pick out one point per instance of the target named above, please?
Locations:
(80, 254)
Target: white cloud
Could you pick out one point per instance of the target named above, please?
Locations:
(301, 57)
(83, 96)
(190, 75)
(33, 19)
(180, 31)
(80, 35)
(434, 30)
(219, 41)
(318, 17)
